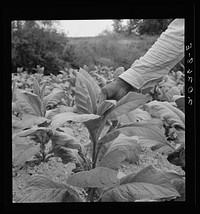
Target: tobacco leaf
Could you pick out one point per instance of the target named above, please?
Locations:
(128, 103)
(123, 148)
(95, 87)
(53, 98)
(42, 189)
(105, 105)
(60, 119)
(165, 111)
(98, 177)
(23, 152)
(83, 99)
(29, 103)
(139, 191)
(68, 155)
(148, 184)
(145, 130)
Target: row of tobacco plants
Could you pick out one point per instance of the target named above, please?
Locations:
(155, 119)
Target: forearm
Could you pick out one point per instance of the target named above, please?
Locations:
(167, 51)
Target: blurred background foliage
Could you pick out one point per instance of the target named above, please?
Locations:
(37, 42)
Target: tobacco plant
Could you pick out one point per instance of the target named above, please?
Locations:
(31, 114)
(112, 143)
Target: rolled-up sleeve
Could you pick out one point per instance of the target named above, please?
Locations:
(165, 53)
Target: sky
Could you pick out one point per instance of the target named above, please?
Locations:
(82, 28)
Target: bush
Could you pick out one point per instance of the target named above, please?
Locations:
(34, 44)
(153, 26)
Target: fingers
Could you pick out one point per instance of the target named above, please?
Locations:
(107, 92)
(112, 91)
(107, 95)
(121, 93)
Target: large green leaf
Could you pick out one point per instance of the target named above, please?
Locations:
(23, 152)
(166, 111)
(27, 121)
(68, 155)
(151, 175)
(153, 144)
(147, 175)
(145, 129)
(83, 98)
(36, 87)
(16, 108)
(134, 116)
(16, 122)
(69, 149)
(29, 103)
(38, 134)
(147, 184)
(42, 189)
(122, 148)
(128, 103)
(53, 98)
(171, 92)
(95, 87)
(105, 105)
(177, 181)
(60, 109)
(61, 118)
(179, 185)
(67, 130)
(42, 89)
(138, 191)
(95, 126)
(66, 140)
(148, 130)
(36, 131)
(98, 177)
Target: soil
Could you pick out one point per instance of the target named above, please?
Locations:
(58, 171)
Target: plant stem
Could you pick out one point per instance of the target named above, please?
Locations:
(93, 151)
(42, 146)
(92, 190)
(90, 196)
(94, 136)
(97, 153)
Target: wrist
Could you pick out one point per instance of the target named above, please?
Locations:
(125, 84)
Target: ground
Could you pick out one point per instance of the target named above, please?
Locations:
(58, 171)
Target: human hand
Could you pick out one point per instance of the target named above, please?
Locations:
(115, 90)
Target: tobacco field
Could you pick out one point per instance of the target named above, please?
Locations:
(69, 147)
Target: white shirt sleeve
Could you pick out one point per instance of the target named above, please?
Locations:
(166, 52)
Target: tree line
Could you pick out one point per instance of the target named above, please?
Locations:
(141, 26)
